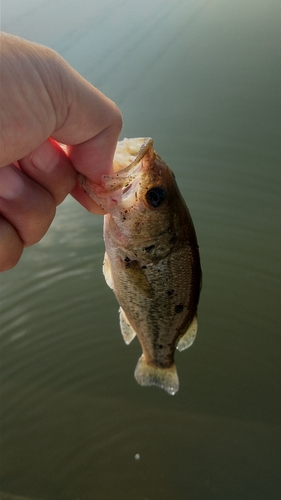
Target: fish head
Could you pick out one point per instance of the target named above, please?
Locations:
(141, 196)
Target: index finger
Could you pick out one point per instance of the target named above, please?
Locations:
(91, 131)
(64, 106)
(90, 128)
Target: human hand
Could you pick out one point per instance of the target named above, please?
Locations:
(45, 102)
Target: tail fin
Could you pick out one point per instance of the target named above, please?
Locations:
(149, 374)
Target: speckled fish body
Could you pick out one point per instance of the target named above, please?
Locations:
(152, 259)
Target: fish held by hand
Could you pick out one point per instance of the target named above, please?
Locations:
(152, 258)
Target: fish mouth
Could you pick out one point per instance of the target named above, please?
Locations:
(122, 184)
(131, 152)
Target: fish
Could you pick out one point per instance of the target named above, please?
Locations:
(152, 260)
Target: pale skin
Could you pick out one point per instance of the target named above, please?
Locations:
(45, 103)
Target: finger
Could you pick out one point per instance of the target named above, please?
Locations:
(93, 155)
(84, 199)
(94, 158)
(26, 205)
(91, 146)
(11, 246)
(50, 167)
(64, 105)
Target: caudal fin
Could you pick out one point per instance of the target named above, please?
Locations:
(150, 374)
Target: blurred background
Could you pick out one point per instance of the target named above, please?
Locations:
(203, 79)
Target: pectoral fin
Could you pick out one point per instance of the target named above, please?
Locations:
(189, 336)
(127, 331)
(137, 278)
(107, 271)
(150, 374)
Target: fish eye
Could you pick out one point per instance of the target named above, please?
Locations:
(156, 196)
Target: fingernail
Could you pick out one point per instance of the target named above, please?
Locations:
(11, 182)
(45, 157)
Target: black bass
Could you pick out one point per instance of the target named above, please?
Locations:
(152, 259)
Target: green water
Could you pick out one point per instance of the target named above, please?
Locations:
(203, 79)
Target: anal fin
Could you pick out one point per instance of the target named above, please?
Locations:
(189, 336)
(127, 331)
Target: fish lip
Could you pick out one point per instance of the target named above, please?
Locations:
(145, 149)
(113, 187)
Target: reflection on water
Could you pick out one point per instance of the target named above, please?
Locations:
(203, 79)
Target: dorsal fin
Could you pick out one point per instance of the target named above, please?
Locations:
(189, 336)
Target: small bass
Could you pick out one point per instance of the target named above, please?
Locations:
(152, 259)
